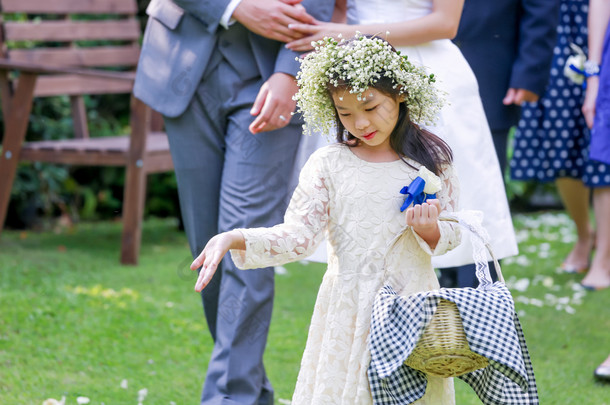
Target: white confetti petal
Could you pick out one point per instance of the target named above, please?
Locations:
(521, 285)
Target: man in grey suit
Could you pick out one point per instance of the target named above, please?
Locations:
(218, 72)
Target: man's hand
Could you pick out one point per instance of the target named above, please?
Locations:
(519, 96)
(270, 18)
(274, 105)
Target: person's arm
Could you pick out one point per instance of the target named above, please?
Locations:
(212, 254)
(441, 23)
(294, 239)
(268, 18)
(537, 34)
(441, 237)
(599, 14)
(274, 104)
(271, 18)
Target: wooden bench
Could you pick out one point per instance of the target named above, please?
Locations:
(77, 48)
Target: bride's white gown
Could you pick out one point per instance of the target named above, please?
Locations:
(462, 125)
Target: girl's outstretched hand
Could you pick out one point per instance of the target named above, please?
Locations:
(423, 218)
(212, 254)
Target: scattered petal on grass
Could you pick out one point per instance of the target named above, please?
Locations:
(519, 285)
(151, 361)
(169, 304)
(280, 270)
(522, 261)
(124, 384)
(284, 401)
(142, 394)
(50, 401)
(548, 282)
(522, 235)
(568, 239)
(82, 400)
(522, 299)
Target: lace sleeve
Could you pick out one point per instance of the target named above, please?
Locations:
(448, 197)
(303, 227)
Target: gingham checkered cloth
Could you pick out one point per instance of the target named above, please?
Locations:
(492, 330)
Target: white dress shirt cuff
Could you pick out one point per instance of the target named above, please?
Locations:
(226, 20)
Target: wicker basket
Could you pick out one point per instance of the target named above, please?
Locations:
(442, 349)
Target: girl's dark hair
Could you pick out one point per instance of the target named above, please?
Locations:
(407, 139)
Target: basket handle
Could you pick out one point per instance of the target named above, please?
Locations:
(479, 243)
(482, 269)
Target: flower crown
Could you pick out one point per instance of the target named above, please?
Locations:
(359, 63)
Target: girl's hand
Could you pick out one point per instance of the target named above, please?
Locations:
(317, 31)
(424, 220)
(212, 254)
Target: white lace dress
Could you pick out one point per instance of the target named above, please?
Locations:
(356, 205)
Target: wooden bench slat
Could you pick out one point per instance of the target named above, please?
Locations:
(114, 144)
(103, 151)
(72, 30)
(69, 6)
(156, 141)
(84, 57)
(75, 85)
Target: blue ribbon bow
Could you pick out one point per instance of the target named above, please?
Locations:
(415, 193)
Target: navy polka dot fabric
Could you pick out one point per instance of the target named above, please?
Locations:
(552, 139)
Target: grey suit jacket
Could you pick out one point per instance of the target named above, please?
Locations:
(181, 36)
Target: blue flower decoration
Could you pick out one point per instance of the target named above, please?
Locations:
(415, 193)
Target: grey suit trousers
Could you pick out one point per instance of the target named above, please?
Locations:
(229, 178)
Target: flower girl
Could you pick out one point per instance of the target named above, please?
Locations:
(350, 192)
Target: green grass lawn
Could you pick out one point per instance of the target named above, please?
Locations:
(74, 322)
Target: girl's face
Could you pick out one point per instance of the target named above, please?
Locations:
(370, 119)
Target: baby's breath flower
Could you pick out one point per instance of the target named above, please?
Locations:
(360, 63)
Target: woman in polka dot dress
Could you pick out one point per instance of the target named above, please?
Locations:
(552, 140)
